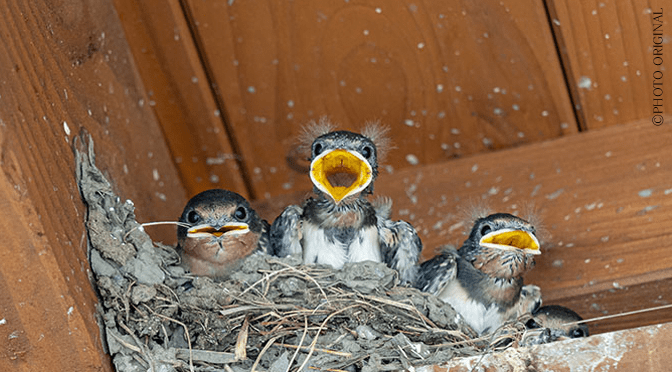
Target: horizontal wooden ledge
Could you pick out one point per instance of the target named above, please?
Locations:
(640, 349)
(604, 196)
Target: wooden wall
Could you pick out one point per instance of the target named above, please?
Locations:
(63, 68)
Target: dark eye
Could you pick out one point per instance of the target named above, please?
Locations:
(532, 324)
(317, 150)
(240, 213)
(193, 217)
(577, 333)
(485, 230)
(366, 152)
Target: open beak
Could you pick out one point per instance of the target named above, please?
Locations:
(508, 239)
(206, 230)
(340, 173)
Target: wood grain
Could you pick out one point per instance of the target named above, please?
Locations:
(604, 199)
(641, 349)
(607, 53)
(64, 67)
(181, 96)
(450, 79)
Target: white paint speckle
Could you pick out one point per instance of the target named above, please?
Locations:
(585, 83)
(544, 113)
(455, 131)
(556, 22)
(458, 88)
(365, 32)
(421, 45)
(474, 168)
(66, 128)
(497, 111)
(217, 113)
(194, 79)
(3, 321)
(408, 122)
(70, 310)
(378, 10)
(555, 194)
(214, 178)
(608, 154)
(439, 88)
(251, 89)
(412, 159)
(645, 193)
(515, 107)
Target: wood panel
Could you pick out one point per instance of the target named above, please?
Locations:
(181, 95)
(642, 349)
(450, 78)
(604, 197)
(607, 52)
(64, 67)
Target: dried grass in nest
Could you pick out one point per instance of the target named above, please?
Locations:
(272, 314)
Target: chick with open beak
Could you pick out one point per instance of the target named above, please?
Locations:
(340, 225)
(218, 228)
(483, 280)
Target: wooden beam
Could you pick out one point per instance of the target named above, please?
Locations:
(181, 94)
(66, 67)
(604, 198)
(641, 349)
(607, 53)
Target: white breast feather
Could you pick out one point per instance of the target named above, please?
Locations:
(318, 249)
(479, 317)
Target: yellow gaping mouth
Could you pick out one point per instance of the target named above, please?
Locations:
(512, 239)
(340, 173)
(204, 230)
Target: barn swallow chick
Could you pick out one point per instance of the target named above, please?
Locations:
(340, 225)
(553, 323)
(218, 229)
(483, 280)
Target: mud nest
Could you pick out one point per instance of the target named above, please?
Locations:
(272, 314)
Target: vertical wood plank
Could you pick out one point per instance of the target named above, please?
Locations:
(181, 95)
(64, 67)
(607, 51)
(451, 79)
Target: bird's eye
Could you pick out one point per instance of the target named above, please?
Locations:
(577, 333)
(317, 150)
(193, 217)
(240, 213)
(532, 324)
(485, 230)
(366, 152)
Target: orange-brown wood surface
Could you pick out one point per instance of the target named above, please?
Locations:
(179, 92)
(66, 66)
(605, 200)
(607, 53)
(641, 349)
(451, 79)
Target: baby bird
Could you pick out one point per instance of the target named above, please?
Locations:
(560, 321)
(222, 229)
(340, 225)
(483, 280)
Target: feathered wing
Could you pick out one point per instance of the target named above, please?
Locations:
(285, 234)
(264, 244)
(400, 247)
(437, 272)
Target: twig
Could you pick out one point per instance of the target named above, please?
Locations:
(268, 345)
